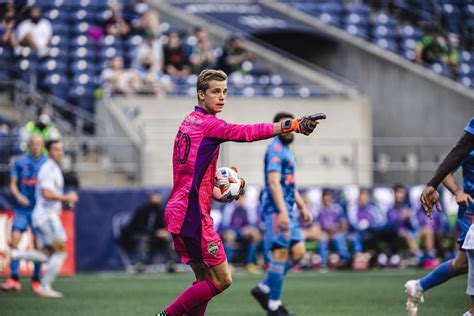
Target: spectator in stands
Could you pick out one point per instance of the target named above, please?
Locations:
(333, 223)
(42, 126)
(117, 80)
(176, 62)
(144, 19)
(234, 55)
(201, 54)
(236, 228)
(35, 32)
(436, 48)
(400, 220)
(146, 233)
(151, 48)
(7, 27)
(150, 78)
(116, 24)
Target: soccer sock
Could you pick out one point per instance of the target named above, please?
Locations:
(200, 309)
(32, 255)
(251, 251)
(229, 252)
(276, 274)
(36, 271)
(199, 293)
(342, 247)
(441, 274)
(324, 252)
(14, 268)
(53, 266)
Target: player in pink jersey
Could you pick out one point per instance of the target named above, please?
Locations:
(187, 213)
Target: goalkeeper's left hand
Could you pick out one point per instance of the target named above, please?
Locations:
(242, 184)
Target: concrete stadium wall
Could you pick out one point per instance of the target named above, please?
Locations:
(338, 154)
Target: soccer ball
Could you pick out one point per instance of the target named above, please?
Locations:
(227, 184)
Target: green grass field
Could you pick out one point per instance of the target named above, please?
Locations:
(305, 293)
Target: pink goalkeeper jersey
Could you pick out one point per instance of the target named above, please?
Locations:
(196, 149)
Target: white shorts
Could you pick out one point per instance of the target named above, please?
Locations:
(49, 230)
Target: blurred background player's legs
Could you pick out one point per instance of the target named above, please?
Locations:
(20, 224)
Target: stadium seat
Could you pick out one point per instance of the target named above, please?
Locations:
(82, 41)
(51, 65)
(83, 53)
(60, 41)
(79, 28)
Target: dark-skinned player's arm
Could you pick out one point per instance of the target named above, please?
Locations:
(429, 196)
(462, 198)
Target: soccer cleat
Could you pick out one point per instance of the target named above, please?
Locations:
(281, 311)
(48, 292)
(261, 297)
(11, 285)
(35, 286)
(163, 313)
(413, 297)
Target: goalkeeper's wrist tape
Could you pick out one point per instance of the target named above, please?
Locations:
(290, 125)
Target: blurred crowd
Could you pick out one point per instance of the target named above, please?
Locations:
(123, 49)
(353, 228)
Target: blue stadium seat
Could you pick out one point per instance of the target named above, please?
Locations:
(6, 56)
(356, 19)
(468, 10)
(60, 41)
(409, 31)
(84, 79)
(451, 18)
(82, 15)
(385, 19)
(57, 84)
(83, 53)
(465, 70)
(82, 66)
(357, 30)
(440, 69)
(79, 28)
(58, 54)
(102, 16)
(51, 65)
(467, 57)
(82, 96)
(386, 43)
(384, 30)
(60, 28)
(109, 52)
(467, 82)
(56, 16)
(82, 41)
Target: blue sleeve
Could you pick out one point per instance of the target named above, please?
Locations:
(274, 159)
(470, 127)
(14, 169)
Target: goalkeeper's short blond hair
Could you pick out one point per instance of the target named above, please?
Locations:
(208, 75)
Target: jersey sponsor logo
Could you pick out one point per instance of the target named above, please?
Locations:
(31, 182)
(212, 248)
(276, 160)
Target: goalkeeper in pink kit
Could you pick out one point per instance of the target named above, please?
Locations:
(187, 213)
